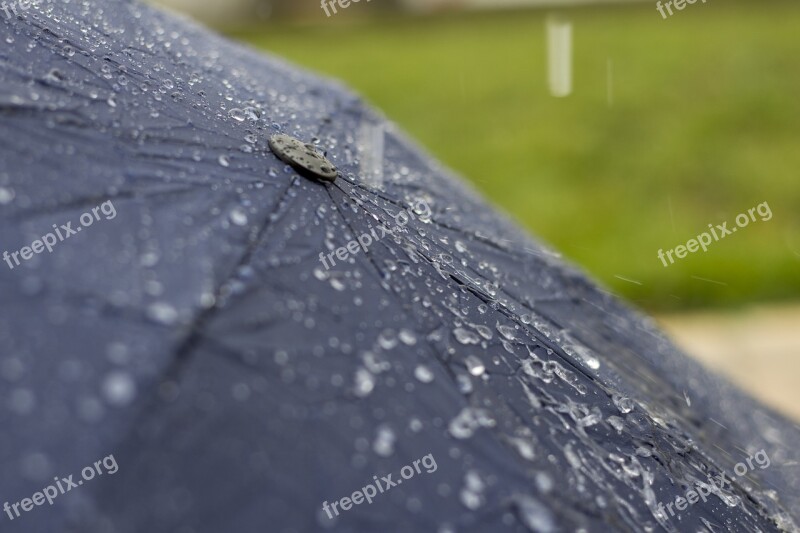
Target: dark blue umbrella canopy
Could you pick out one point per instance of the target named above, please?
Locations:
(203, 330)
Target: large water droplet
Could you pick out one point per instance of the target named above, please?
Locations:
(364, 382)
(465, 336)
(474, 365)
(384, 442)
(119, 388)
(423, 373)
(238, 216)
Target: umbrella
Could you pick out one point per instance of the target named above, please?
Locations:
(235, 298)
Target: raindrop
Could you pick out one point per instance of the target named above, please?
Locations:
(119, 388)
(252, 114)
(90, 409)
(544, 482)
(384, 442)
(625, 405)
(591, 419)
(22, 401)
(387, 340)
(464, 384)
(616, 423)
(508, 332)
(423, 373)
(148, 259)
(534, 515)
(407, 337)
(474, 365)
(523, 447)
(162, 312)
(224, 161)
(463, 426)
(484, 332)
(237, 114)
(364, 382)
(12, 368)
(464, 336)
(6, 195)
(238, 216)
(472, 493)
(240, 392)
(118, 353)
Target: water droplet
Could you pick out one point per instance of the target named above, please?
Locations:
(544, 482)
(384, 442)
(237, 114)
(472, 493)
(625, 405)
(118, 353)
(464, 384)
(616, 423)
(534, 515)
(507, 331)
(474, 365)
(119, 388)
(6, 195)
(465, 336)
(523, 447)
(12, 369)
(423, 373)
(238, 216)
(224, 161)
(162, 312)
(364, 382)
(407, 337)
(484, 332)
(22, 401)
(463, 426)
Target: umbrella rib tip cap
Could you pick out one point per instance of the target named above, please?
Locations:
(302, 157)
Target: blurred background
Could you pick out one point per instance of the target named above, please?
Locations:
(661, 127)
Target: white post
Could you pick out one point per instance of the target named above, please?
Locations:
(559, 55)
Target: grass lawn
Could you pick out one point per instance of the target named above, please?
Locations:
(703, 124)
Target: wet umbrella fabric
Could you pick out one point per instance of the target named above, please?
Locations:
(241, 380)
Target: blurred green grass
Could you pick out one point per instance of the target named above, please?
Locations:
(704, 124)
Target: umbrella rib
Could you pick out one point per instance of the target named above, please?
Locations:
(481, 239)
(87, 201)
(541, 339)
(191, 339)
